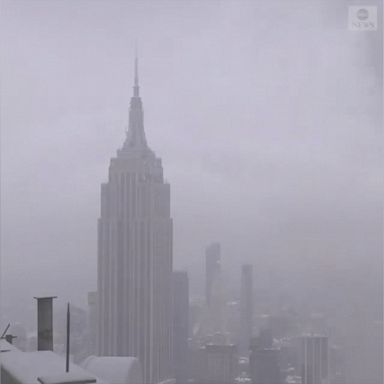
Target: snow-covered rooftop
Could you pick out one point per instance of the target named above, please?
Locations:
(6, 347)
(67, 378)
(29, 367)
(116, 369)
(46, 367)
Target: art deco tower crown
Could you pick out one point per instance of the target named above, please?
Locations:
(136, 135)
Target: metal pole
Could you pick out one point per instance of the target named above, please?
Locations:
(68, 339)
(5, 331)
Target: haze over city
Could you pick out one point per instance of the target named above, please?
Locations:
(267, 116)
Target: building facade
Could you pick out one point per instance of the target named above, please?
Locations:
(314, 359)
(215, 301)
(92, 322)
(212, 270)
(180, 325)
(264, 360)
(220, 364)
(135, 255)
(246, 308)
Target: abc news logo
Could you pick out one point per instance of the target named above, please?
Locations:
(362, 18)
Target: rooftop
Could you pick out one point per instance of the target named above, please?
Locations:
(44, 367)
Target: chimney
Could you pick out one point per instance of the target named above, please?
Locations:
(45, 323)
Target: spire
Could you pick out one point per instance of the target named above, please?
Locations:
(136, 84)
(136, 135)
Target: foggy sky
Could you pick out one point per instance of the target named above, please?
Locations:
(266, 115)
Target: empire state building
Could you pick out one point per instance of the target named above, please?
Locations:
(135, 254)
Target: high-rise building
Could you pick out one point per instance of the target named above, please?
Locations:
(180, 325)
(92, 322)
(219, 364)
(264, 363)
(212, 270)
(135, 254)
(246, 307)
(215, 301)
(314, 359)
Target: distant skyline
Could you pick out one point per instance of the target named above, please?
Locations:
(267, 116)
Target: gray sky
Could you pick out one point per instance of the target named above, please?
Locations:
(266, 115)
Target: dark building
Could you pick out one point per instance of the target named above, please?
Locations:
(264, 363)
(220, 364)
(283, 325)
(246, 308)
(212, 270)
(92, 322)
(337, 367)
(135, 255)
(314, 359)
(45, 323)
(180, 325)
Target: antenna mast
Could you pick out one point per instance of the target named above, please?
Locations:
(68, 339)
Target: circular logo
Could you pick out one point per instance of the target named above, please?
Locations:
(362, 14)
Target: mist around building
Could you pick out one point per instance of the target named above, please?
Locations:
(150, 322)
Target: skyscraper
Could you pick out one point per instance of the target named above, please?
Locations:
(264, 360)
(219, 364)
(246, 307)
(180, 325)
(214, 290)
(92, 322)
(135, 254)
(314, 359)
(212, 270)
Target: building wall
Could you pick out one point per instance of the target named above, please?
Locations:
(314, 359)
(180, 325)
(219, 364)
(246, 308)
(135, 264)
(212, 269)
(135, 255)
(264, 366)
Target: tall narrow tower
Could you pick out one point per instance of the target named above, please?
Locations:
(135, 254)
(246, 308)
(180, 325)
(214, 289)
(212, 270)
